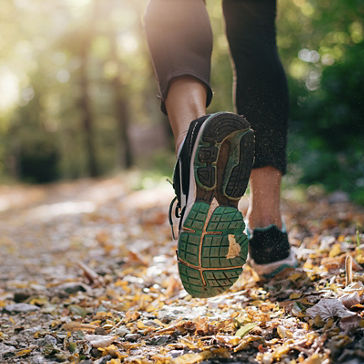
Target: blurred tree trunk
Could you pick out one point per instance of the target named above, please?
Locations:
(87, 118)
(151, 90)
(125, 155)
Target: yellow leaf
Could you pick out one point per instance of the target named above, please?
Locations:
(192, 358)
(108, 350)
(246, 341)
(39, 301)
(245, 329)
(284, 349)
(95, 322)
(103, 314)
(295, 276)
(306, 302)
(341, 238)
(141, 325)
(234, 340)
(113, 361)
(131, 316)
(23, 352)
(335, 251)
(295, 295)
(188, 343)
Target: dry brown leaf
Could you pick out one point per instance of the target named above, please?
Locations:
(350, 322)
(329, 307)
(90, 274)
(350, 299)
(71, 326)
(134, 257)
(192, 358)
(131, 316)
(335, 250)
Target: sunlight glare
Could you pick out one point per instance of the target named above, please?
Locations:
(128, 43)
(9, 89)
(78, 3)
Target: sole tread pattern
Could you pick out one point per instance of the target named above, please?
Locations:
(205, 264)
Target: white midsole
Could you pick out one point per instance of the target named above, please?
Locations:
(263, 269)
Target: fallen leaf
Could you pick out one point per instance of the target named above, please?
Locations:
(72, 326)
(234, 247)
(245, 329)
(335, 250)
(100, 341)
(192, 358)
(329, 307)
(23, 352)
(350, 299)
(350, 322)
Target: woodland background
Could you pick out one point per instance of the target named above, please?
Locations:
(78, 92)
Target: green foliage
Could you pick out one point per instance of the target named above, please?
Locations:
(327, 134)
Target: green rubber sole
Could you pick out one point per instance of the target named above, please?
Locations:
(212, 249)
(212, 246)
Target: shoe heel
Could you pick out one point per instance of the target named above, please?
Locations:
(219, 128)
(239, 164)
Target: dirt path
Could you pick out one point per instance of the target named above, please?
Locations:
(88, 274)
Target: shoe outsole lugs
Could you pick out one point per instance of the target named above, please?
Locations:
(212, 246)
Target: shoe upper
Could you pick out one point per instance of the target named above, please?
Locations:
(268, 245)
(181, 173)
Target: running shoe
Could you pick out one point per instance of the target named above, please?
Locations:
(270, 252)
(210, 177)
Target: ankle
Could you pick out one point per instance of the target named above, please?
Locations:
(261, 221)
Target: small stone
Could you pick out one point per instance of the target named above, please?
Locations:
(37, 359)
(122, 331)
(61, 357)
(100, 331)
(159, 340)
(47, 340)
(132, 337)
(32, 330)
(22, 295)
(77, 310)
(176, 353)
(78, 335)
(71, 288)
(6, 349)
(20, 308)
(49, 350)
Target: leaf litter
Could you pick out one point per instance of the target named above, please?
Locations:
(101, 285)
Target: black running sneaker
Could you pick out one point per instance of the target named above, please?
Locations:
(210, 177)
(270, 252)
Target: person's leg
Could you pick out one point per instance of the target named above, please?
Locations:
(180, 42)
(213, 163)
(186, 101)
(261, 95)
(264, 206)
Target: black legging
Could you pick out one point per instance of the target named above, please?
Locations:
(180, 41)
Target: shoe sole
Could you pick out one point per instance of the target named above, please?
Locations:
(212, 246)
